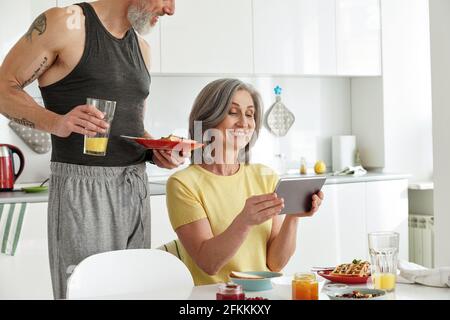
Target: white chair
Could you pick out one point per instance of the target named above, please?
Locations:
(130, 274)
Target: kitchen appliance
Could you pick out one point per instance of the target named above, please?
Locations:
(8, 173)
(343, 152)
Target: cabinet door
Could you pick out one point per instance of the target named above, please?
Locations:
(358, 36)
(349, 201)
(27, 274)
(387, 210)
(317, 243)
(207, 36)
(295, 37)
(162, 231)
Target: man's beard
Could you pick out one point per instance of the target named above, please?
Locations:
(140, 19)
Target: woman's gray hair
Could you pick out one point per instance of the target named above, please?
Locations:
(212, 106)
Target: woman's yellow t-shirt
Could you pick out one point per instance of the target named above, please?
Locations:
(195, 193)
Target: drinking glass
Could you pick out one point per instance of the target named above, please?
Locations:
(383, 249)
(97, 145)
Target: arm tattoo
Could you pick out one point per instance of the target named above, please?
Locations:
(40, 25)
(23, 121)
(38, 72)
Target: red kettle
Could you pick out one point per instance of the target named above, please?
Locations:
(7, 173)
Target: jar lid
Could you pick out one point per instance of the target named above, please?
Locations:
(305, 276)
(230, 288)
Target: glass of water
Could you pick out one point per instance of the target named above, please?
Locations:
(96, 146)
(383, 249)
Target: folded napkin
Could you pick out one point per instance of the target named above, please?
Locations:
(414, 273)
(355, 171)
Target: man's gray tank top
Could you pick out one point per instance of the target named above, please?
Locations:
(110, 69)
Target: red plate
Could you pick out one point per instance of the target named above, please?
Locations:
(162, 144)
(343, 279)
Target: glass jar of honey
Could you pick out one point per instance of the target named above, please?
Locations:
(230, 291)
(305, 287)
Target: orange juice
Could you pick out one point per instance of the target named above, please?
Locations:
(95, 145)
(305, 287)
(384, 281)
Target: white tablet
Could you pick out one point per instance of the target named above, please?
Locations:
(297, 192)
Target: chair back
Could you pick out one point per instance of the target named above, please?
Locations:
(131, 274)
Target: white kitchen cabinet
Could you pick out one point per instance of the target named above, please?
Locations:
(294, 37)
(317, 236)
(162, 231)
(27, 274)
(337, 233)
(207, 36)
(358, 37)
(349, 200)
(387, 210)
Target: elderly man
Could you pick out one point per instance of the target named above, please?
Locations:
(96, 204)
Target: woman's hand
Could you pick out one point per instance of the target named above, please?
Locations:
(259, 209)
(316, 202)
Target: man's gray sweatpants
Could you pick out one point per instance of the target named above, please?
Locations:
(93, 210)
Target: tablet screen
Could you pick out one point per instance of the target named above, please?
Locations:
(297, 192)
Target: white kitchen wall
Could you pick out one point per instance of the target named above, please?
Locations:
(321, 107)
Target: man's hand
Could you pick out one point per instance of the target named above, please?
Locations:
(84, 119)
(169, 159)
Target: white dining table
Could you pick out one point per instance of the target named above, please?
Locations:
(402, 292)
(208, 292)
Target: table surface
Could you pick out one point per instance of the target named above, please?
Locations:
(208, 292)
(402, 292)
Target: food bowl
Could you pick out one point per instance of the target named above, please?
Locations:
(257, 284)
(338, 295)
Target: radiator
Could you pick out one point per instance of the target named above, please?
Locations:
(421, 240)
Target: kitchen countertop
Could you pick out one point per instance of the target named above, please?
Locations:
(158, 186)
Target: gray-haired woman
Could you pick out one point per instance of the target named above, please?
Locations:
(222, 208)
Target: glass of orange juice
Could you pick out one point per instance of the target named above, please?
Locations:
(383, 249)
(96, 146)
(305, 287)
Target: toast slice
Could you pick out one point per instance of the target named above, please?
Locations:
(242, 275)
